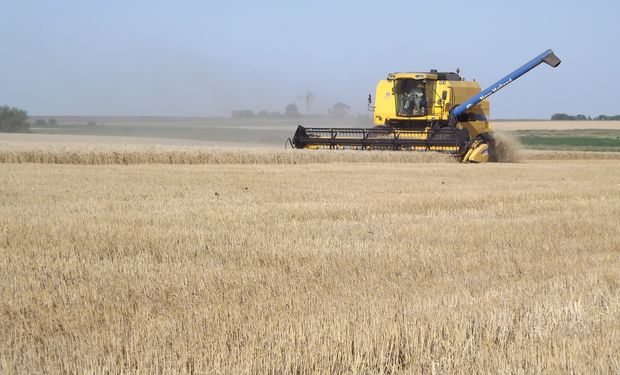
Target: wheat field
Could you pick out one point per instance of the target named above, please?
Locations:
(102, 154)
(367, 267)
(508, 150)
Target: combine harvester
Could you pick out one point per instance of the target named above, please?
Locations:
(433, 111)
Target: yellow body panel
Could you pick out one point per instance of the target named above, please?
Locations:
(441, 96)
(437, 109)
(385, 102)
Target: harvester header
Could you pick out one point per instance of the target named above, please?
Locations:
(424, 111)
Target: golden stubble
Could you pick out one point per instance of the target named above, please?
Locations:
(340, 267)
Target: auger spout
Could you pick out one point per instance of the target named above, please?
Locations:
(547, 57)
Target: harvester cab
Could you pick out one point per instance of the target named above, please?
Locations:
(424, 111)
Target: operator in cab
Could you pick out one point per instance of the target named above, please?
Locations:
(413, 101)
(419, 101)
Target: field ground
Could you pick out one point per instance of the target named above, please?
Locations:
(258, 132)
(282, 260)
(42, 139)
(357, 268)
(231, 123)
(578, 139)
(270, 132)
(503, 126)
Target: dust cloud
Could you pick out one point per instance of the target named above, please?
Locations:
(508, 149)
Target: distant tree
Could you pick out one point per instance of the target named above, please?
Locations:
(607, 118)
(561, 117)
(40, 121)
(339, 110)
(263, 114)
(13, 119)
(291, 110)
(52, 121)
(564, 116)
(242, 114)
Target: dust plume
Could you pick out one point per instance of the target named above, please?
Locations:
(507, 148)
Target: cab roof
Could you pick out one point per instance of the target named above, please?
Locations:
(432, 75)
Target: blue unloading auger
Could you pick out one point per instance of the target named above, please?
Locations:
(547, 57)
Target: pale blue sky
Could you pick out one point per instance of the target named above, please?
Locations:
(205, 58)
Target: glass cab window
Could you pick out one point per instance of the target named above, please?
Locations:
(410, 97)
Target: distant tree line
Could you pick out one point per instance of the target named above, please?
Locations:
(49, 121)
(566, 117)
(607, 118)
(339, 110)
(13, 119)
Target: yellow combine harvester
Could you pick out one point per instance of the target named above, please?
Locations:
(432, 111)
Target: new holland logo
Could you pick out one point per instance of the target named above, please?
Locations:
(495, 89)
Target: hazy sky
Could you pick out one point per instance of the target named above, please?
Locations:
(194, 58)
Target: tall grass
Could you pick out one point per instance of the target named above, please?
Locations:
(508, 151)
(336, 268)
(140, 154)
